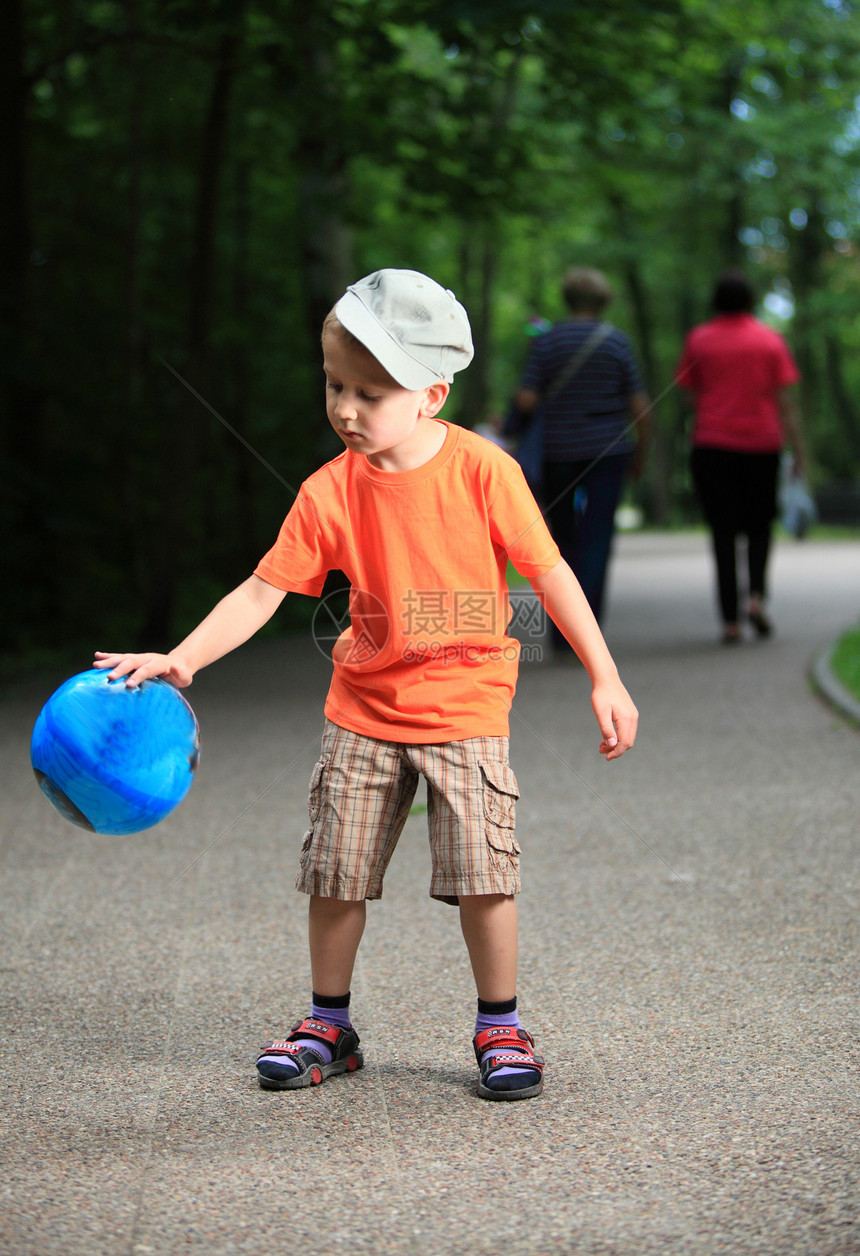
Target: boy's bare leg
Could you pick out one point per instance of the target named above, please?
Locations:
(315, 1050)
(489, 924)
(335, 930)
(508, 1066)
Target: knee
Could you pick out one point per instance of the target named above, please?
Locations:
(335, 908)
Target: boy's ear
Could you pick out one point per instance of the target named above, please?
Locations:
(434, 398)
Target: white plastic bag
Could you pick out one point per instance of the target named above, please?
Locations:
(796, 505)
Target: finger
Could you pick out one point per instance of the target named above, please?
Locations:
(627, 730)
(145, 667)
(119, 666)
(615, 752)
(623, 743)
(134, 668)
(608, 732)
(622, 737)
(103, 659)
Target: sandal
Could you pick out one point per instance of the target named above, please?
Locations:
(313, 1069)
(516, 1050)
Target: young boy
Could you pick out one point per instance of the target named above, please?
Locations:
(423, 518)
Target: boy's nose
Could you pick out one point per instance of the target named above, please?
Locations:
(344, 406)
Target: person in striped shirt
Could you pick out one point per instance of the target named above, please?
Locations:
(595, 429)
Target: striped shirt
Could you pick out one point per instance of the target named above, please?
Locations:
(591, 414)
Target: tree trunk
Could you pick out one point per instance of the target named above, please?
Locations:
(26, 492)
(844, 407)
(186, 497)
(478, 264)
(15, 244)
(326, 246)
(245, 547)
(646, 352)
(809, 247)
(134, 368)
(324, 238)
(481, 253)
(209, 181)
(661, 460)
(731, 248)
(679, 443)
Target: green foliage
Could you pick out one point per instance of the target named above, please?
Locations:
(192, 184)
(846, 662)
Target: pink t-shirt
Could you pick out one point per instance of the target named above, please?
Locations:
(735, 366)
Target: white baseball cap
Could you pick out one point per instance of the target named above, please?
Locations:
(415, 328)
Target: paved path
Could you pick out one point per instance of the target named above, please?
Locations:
(690, 958)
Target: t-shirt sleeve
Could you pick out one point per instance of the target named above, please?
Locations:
(518, 527)
(302, 556)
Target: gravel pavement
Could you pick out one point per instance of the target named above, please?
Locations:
(689, 927)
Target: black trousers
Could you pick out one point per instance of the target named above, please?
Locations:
(737, 492)
(582, 498)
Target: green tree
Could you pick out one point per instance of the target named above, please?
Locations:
(187, 188)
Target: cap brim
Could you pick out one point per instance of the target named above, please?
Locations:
(353, 314)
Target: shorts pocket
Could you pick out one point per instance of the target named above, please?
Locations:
(315, 789)
(500, 805)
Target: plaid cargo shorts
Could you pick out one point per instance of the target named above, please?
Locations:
(361, 792)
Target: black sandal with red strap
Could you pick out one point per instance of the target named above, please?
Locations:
(343, 1044)
(508, 1047)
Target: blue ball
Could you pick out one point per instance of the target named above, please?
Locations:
(113, 759)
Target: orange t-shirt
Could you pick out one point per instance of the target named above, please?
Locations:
(426, 657)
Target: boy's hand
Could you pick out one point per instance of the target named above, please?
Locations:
(617, 717)
(139, 667)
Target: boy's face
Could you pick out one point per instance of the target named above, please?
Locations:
(371, 413)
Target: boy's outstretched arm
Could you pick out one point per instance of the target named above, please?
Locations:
(566, 604)
(235, 618)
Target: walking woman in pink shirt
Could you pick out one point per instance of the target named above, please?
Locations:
(741, 376)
